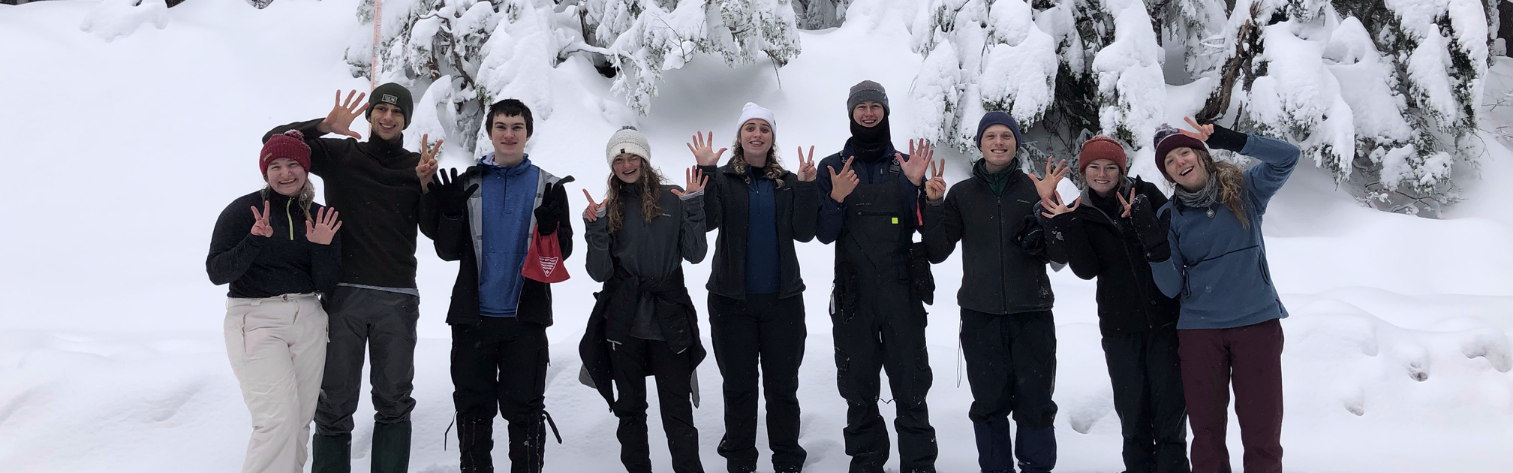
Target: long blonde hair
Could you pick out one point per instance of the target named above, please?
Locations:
(1231, 182)
(651, 188)
(774, 167)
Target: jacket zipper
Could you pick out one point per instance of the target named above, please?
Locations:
(289, 217)
(1002, 255)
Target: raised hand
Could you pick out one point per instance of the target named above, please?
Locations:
(591, 213)
(1126, 203)
(339, 121)
(1047, 187)
(696, 180)
(918, 161)
(324, 227)
(935, 188)
(807, 171)
(703, 150)
(426, 170)
(1204, 131)
(260, 226)
(451, 198)
(1054, 208)
(843, 183)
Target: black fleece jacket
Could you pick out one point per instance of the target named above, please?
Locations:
(726, 207)
(1099, 243)
(374, 186)
(1003, 265)
(285, 263)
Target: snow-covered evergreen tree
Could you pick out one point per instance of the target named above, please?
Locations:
(820, 14)
(980, 55)
(644, 38)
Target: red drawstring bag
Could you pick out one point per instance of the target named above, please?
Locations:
(543, 261)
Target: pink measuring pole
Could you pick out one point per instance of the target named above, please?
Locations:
(378, 9)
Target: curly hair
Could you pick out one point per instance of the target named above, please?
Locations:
(650, 186)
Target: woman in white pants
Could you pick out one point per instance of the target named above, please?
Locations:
(276, 249)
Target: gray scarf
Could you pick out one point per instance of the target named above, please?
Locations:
(1203, 198)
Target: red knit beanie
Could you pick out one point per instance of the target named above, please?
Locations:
(289, 144)
(1102, 147)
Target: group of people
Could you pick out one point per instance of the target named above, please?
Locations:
(1185, 300)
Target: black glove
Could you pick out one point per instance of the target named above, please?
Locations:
(1031, 237)
(1151, 230)
(548, 214)
(1227, 139)
(451, 198)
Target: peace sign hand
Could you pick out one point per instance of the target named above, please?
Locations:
(807, 171)
(1055, 207)
(935, 189)
(426, 169)
(1204, 131)
(1126, 203)
(703, 150)
(696, 180)
(844, 182)
(1047, 187)
(591, 213)
(260, 226)
(324, 227)
(339, 121)
(918, 162)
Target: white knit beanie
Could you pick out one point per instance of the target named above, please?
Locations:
(627, 140)
(751, 111)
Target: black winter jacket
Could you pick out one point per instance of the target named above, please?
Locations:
(455, 242)
(726, 207)
(374, 186)
(999, 275)
(285, 263)
(1098, 243)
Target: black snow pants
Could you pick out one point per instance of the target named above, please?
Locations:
(769, 332)
(499, 367)
(632, 361)
(1011, 366)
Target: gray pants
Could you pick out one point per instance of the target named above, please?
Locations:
(384, 323)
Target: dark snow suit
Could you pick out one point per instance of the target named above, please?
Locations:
(878, 321)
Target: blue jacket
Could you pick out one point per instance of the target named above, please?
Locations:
(1218, 267)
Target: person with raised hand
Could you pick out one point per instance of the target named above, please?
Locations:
(756, 303)
(1008, 333)
(644, 323)
(375, 309)
(869, 209)
(488, 217)
(1138, 323)
(277, 260)
(1206, 249)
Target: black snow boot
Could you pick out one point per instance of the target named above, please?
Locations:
(331, 454)
(391, 447)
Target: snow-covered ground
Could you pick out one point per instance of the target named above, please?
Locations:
(111, 358)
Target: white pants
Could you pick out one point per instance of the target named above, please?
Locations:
(277, 348)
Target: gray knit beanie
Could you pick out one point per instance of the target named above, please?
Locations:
(627, 140)
(865, 91)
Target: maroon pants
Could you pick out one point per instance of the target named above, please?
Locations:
(1251, 358)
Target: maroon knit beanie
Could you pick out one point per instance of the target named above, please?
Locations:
(1102, 147)
(1168, 139)
(289, 144)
